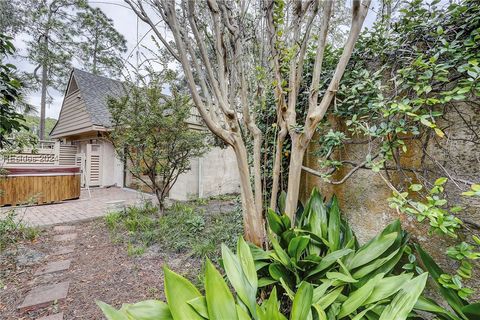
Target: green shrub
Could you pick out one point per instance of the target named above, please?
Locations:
(183, 228)
(396, 296)
(13, 230)
(317, 264)
(315, 270)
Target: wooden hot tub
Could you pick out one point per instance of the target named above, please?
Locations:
(24, 185)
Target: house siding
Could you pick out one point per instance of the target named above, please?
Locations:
(73, 117)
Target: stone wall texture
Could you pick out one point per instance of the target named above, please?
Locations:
(363, 197)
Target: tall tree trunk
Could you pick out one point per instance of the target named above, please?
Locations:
(294, 175)
(43, 102)
(161, 201)
(95, 49)
(254, 225)
(277, 165)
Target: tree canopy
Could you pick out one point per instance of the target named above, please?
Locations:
(151, 132)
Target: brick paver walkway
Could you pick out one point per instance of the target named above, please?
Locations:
(52, 291)
(98, 203)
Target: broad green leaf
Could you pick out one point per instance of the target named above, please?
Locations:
(200, 305)
(282, 199)
(258, 253)
(472, 310)
(440, 181)
(148, 310)
(220, 302)
(328, 260)
(377, 263)
(424, 304)
(263, 282)
(278, 271)
(280, 253)
(302, 302)
(247, 263)
(386, 267)
(287, 289)
(435, 272)
(359, 296)
(317, 214)
(405, 299)
(362, 314)
(179, 291)
(372, 250)
(297, 245)
(338, 276)
(416, 187)
(237, 278)
(110, 312)
(334, 225)
(387, 287)
(270, 309)
(274, 222)
(242, 314)
(319, 291)
(329, 298)
(320, 312)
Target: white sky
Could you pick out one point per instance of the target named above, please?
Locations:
(125, 22)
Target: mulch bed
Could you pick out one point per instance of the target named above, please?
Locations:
(100, 270)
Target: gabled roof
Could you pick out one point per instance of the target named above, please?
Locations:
(95, 91)
(85, 105)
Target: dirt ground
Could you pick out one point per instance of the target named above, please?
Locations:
(100, 270)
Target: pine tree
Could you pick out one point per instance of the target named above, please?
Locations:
(51, 26)
(61, 30)
(102, 45)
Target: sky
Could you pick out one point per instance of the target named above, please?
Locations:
(126, 22)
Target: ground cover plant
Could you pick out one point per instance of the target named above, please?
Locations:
(314, 270)
(194, 227)
(13, 230)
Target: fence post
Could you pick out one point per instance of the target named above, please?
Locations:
(56, 153)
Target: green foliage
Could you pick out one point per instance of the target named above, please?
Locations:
(101, 44)
(33, 124)
(151, 131)
(433, 207)
(184, 301)
(60, 30)
(10, 90)
(13, 230)
(403, 86)
(348, 279)
(183, 228)
(473, 192)
(442, 218)
(455, 297)
(331, 279)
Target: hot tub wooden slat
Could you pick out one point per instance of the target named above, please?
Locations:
(44, 187)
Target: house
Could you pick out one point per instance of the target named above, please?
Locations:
(84, 122)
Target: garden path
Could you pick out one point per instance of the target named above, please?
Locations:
(92, 203)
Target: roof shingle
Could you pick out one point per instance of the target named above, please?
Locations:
(95, 91)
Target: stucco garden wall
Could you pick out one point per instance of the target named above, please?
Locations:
(363, 197)
(216, 173)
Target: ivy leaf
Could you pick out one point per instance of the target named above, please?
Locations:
(439, 132)
(440, 181)
(416, 187)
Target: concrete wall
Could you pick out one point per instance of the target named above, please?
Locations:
(216, 173)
